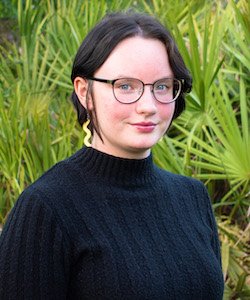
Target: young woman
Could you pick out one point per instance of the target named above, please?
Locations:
(107, 223)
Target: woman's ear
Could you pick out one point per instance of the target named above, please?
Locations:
(81, 89)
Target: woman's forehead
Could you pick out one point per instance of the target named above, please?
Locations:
(136, 55)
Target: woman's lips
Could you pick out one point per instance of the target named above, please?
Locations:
(145, 127)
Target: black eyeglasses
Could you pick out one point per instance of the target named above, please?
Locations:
(129, 90)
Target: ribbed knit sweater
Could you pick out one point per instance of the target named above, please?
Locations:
(101, 227)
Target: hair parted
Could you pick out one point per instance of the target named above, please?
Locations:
(106, 35)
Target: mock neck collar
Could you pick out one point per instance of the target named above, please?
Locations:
(115, 169)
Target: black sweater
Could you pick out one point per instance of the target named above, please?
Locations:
(101, 227)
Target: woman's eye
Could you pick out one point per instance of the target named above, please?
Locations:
(161, 87)
(125, 87)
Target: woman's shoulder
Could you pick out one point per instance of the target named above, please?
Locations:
(49, 196)
(187, 192)
(185, 188)
(179, 180)
(53, 183)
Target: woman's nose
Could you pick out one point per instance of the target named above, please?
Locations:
(147, 102)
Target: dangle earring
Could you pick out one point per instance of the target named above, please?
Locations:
(87, 133)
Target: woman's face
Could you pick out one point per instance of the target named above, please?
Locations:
(130, 130)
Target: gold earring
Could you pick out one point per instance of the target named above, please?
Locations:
(87, 133)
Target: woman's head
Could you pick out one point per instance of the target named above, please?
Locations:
(103, 41)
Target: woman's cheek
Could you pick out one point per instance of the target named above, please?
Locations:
(166, 111)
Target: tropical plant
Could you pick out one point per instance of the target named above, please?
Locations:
(235, 250)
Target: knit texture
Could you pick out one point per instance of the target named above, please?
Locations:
(101, 227)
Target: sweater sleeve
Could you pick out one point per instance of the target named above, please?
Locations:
(210, 219)
(33, 263)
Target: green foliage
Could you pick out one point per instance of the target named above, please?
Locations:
(210, 141)
(235, 260)
(8, 9)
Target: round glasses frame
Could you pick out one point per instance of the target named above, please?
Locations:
(176, 82)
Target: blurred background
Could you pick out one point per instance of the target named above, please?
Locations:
(210, 141)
